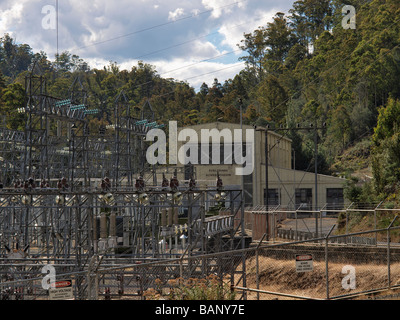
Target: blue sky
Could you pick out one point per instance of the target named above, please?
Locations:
(194, 41)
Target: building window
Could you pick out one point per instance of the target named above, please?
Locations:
(304, 198)
(273, 197)
(248, 190)
(334, 198)
(189, 171)
(225, 151)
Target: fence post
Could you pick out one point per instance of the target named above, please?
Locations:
(347, 224)
(257, 267)
(326, 262)
(181, 261)
(388, 250)
(180, 268)
(375, 224)
(93, 281)
(91, 286)
(376, 233)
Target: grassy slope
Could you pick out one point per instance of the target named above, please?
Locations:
(281, 276)
(355, 162)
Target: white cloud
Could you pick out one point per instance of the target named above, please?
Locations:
(100, 31)
(173, 15)
(233, 30)
(219, 7)
(11, 17)
(195, 12)
(202, 50)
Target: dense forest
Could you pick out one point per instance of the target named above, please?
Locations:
(302, 68)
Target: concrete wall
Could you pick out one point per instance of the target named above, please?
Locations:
(280, 173)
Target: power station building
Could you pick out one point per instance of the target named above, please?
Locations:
(287, 187)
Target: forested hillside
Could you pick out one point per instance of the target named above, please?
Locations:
(301, 68)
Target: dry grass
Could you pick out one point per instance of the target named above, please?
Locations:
(281, 276)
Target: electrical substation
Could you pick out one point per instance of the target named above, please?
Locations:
(74, 198)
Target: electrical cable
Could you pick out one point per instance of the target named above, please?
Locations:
(159, 25)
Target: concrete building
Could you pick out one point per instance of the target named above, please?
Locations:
(286, 187)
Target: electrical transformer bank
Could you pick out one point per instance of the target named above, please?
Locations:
(79, 197)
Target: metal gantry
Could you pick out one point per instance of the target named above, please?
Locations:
(68, 195)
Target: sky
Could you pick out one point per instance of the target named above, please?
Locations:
(194, 41)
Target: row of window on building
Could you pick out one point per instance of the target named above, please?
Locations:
(304, 197)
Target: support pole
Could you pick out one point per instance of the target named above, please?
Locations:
(266, 184)
(388, 250)
(316, 179)
(326, 262)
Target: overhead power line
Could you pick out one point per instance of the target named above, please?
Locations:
(159, 25)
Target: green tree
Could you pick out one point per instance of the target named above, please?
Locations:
(388, 121)
(14, 58)
(273, 99)
(309, 18)
(340, 128)
(254, 44)
(386, 150)
(13, 98)
(278, 40)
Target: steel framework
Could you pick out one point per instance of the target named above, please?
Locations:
(68, 195)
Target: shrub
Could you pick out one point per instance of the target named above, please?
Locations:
(209, 288)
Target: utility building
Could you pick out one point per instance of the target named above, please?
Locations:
(287, 187)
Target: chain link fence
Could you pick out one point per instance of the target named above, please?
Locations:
(328, 267)
(204, 277)
(336, 268)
